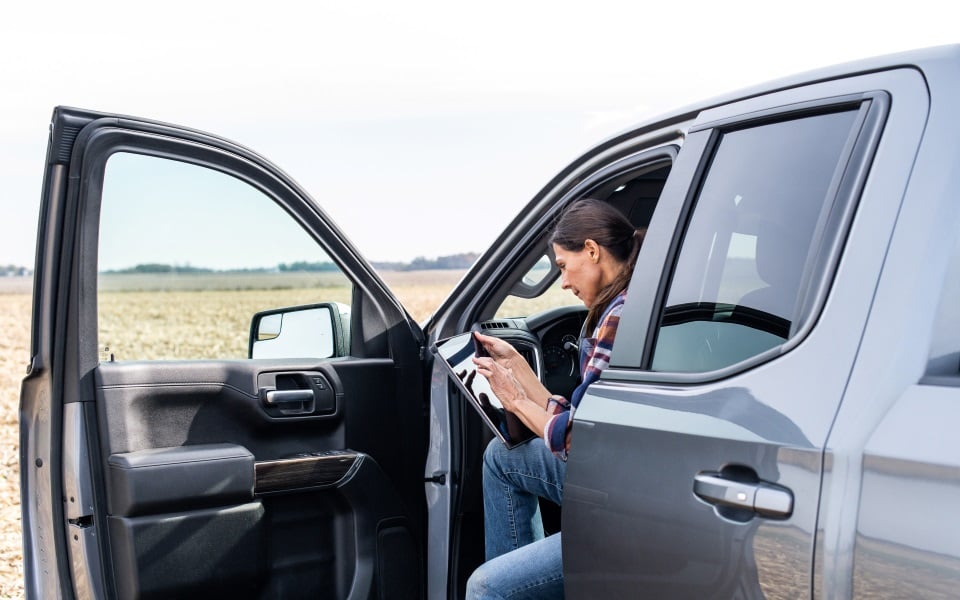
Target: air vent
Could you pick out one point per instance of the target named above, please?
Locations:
(495, 325)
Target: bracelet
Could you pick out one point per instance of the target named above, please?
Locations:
(559, 400)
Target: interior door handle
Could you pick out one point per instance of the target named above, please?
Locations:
(282, 397)
(765, 499)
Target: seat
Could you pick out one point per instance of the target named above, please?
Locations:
(780, 258)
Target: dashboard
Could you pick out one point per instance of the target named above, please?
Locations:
(548, 340)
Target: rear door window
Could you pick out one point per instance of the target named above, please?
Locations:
(750, 250)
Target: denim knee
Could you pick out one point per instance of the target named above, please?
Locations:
(478, 586)
(532, 571)
(493, 457)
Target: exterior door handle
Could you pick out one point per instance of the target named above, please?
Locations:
(765, 499)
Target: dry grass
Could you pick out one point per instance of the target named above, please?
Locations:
(191, 325)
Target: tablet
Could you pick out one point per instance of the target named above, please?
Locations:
(456, 354)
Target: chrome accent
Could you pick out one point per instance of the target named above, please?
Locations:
(762, 498)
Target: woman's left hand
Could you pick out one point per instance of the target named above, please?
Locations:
(502, 382)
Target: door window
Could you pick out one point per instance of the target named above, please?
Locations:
(188, 255)
(757, 225)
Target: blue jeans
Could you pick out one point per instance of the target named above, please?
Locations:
(532, 572)
(521, 563)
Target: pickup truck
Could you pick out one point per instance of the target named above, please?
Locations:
(778, 419)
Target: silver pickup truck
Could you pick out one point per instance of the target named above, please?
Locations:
(778, 420)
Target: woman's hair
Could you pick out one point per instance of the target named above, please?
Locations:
(596, 220)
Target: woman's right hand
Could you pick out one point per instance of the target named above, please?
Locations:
(499, 350)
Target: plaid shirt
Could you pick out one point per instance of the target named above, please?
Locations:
(594, 358)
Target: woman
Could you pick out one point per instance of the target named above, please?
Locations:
(595, 248)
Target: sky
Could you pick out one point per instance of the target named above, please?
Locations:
(421, 127)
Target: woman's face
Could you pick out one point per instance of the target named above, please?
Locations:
(581, 272)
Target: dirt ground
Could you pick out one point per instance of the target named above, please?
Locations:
(14, 353)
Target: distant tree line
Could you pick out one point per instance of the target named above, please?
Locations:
(420, 263)
(14, 271)
(153, 268)
(454, 261)
(321, 267)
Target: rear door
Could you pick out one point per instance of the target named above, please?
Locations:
(697, 460)
(163, 462)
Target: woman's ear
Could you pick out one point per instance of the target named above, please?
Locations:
(592, 249)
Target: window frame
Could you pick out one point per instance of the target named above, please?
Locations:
(237, 162)
(943, 353)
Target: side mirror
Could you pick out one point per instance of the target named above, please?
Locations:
(309, 331)
(539, 276)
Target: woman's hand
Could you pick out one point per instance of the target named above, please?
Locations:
(506, 356)
(511, 393)
(504, 385)
(499, 350)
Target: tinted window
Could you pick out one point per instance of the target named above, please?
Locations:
(758, 220)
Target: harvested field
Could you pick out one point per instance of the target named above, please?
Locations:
(14, 352)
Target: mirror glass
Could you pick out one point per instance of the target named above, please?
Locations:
(269, 327)
(306, 332)
(538, 272)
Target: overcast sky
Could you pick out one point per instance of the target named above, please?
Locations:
(421, 127)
